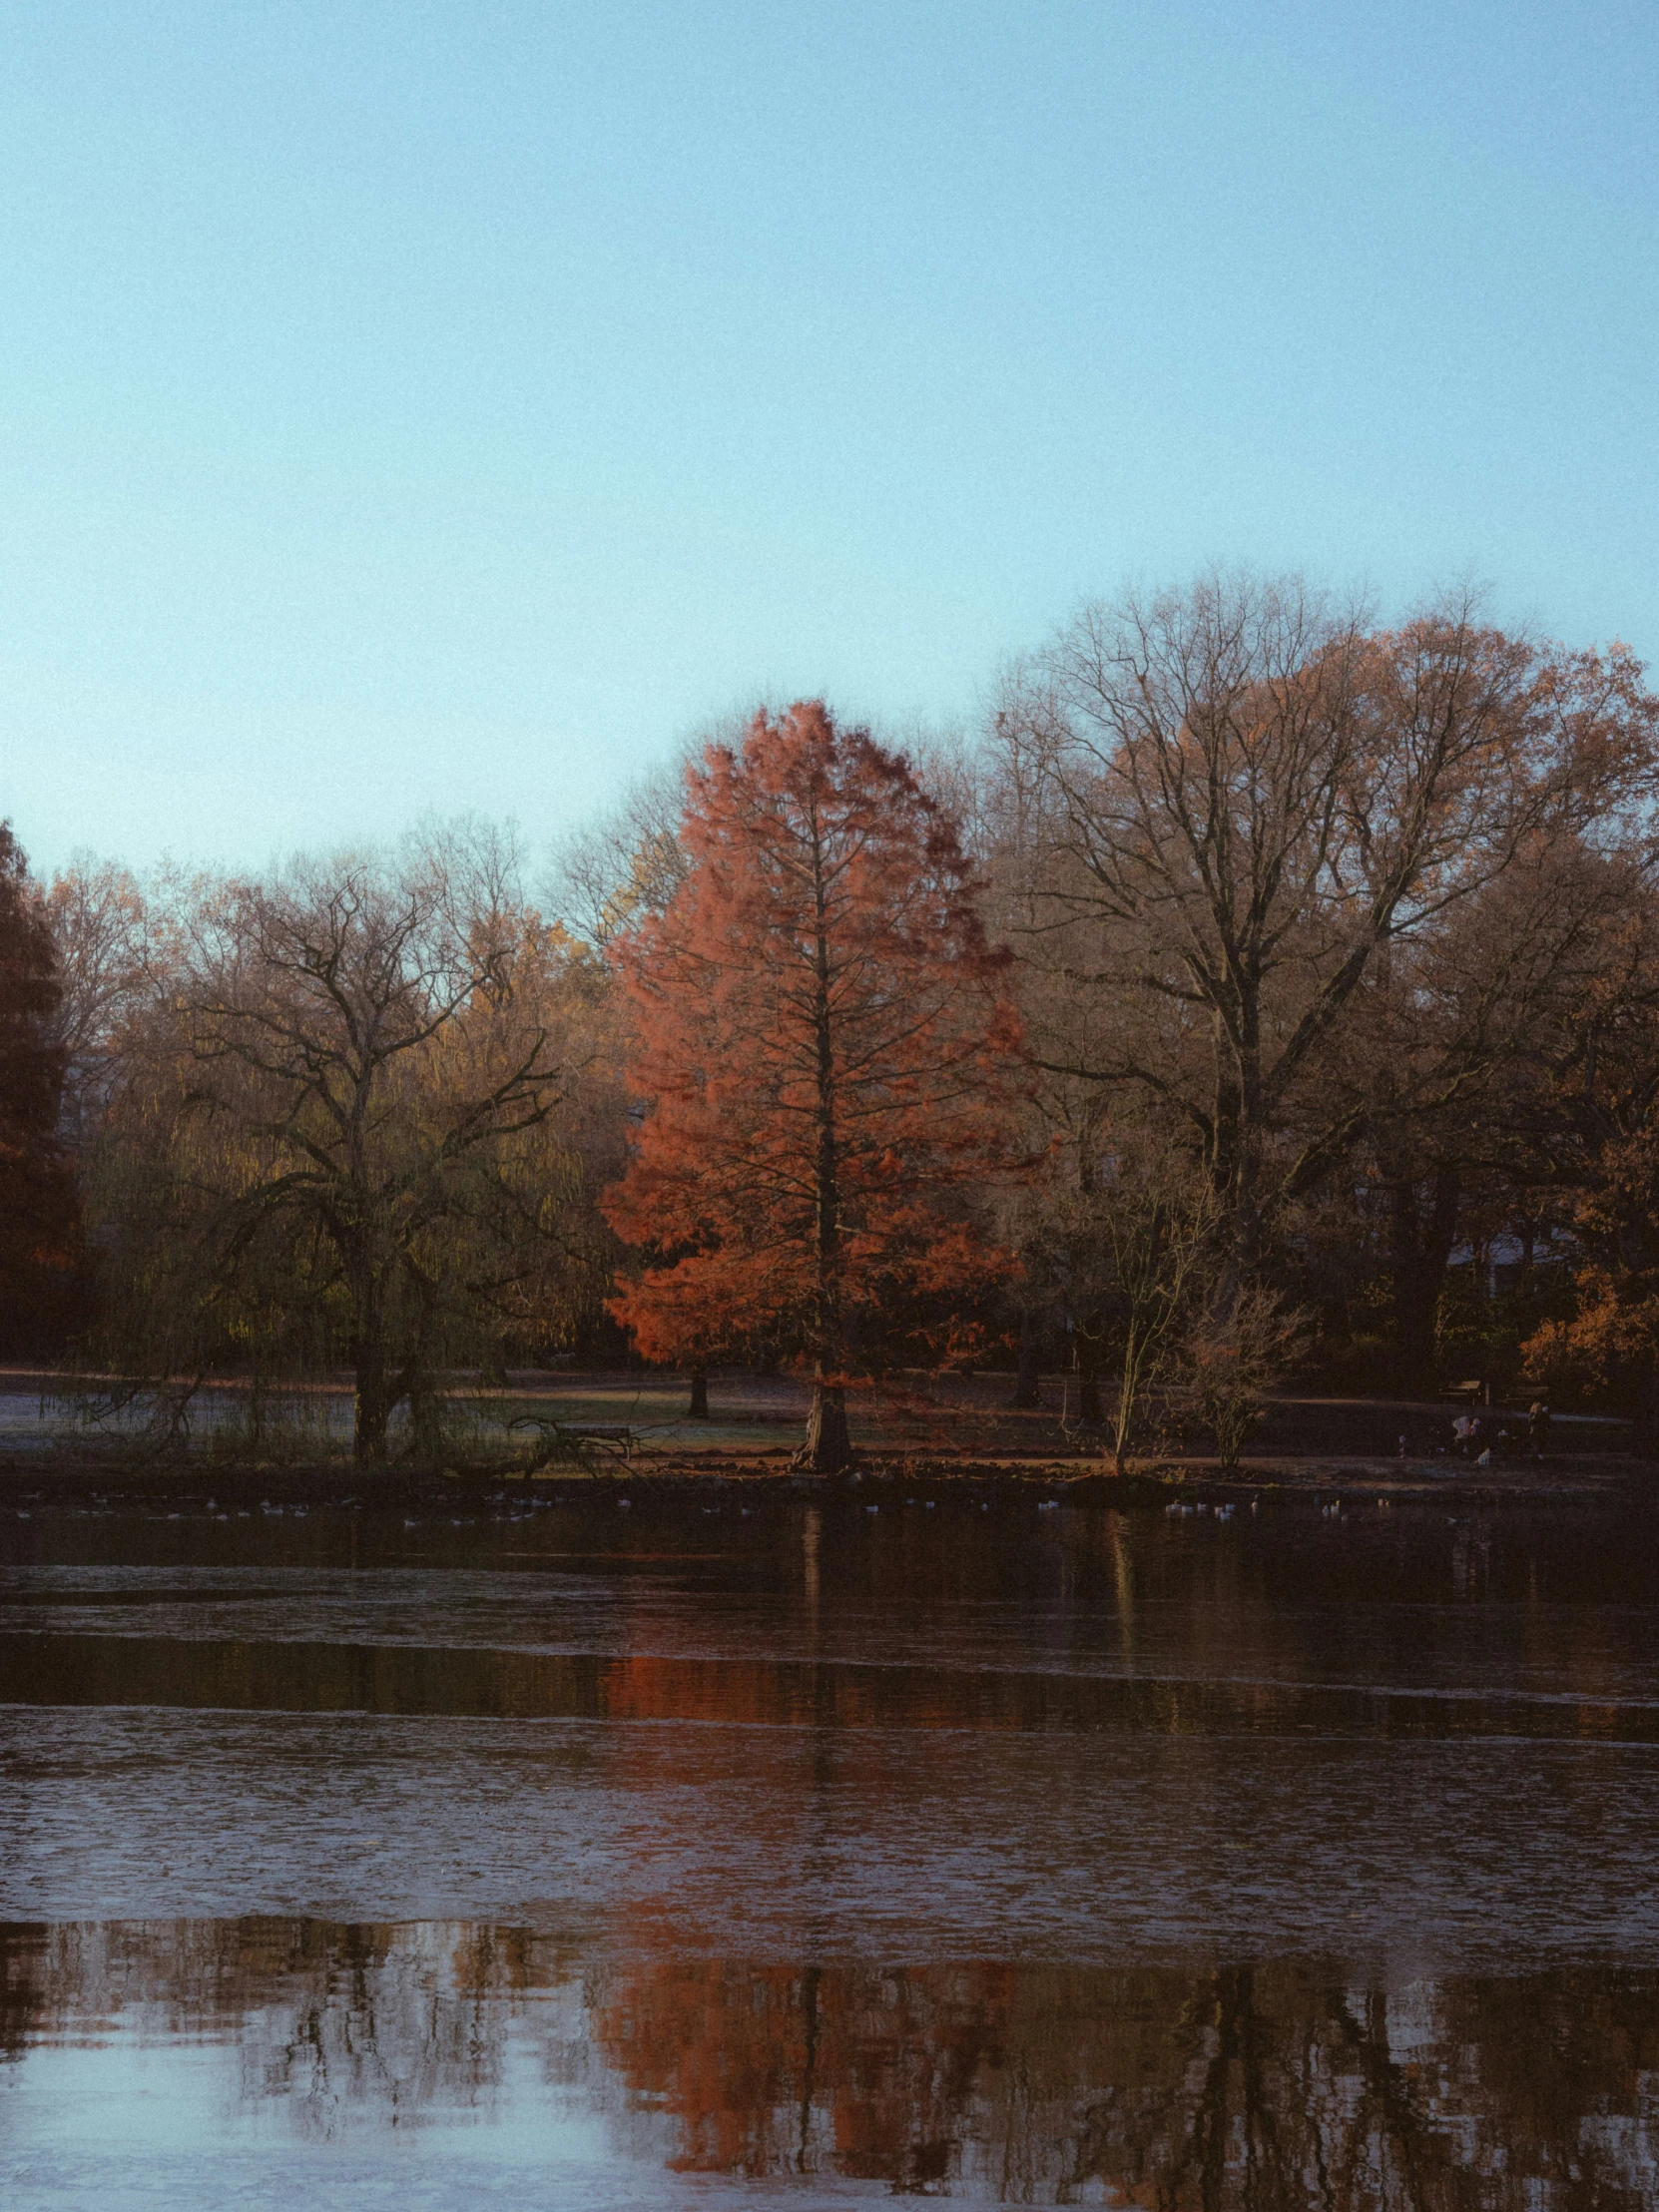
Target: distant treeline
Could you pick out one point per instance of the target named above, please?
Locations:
(1259, 987)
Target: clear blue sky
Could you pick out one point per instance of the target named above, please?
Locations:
(409, 407)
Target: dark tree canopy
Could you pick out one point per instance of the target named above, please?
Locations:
(39, 1221)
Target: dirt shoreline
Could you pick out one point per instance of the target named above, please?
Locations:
(108, 1477)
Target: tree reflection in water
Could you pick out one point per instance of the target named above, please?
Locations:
(1259, 2086)
(1249, 2085)
(406, 2023)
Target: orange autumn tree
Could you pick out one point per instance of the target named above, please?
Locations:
(824, 1046)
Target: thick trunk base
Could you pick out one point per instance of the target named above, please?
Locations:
(828, 1447)
(698, 1409)
(371, 1418)
(369, 1450)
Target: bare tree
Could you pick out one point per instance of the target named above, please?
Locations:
(626, 863)
(1459, 1055)
(98, 917)
(1219, 808)
(1231, 1359)
(1117, 1234)
(364, 1075)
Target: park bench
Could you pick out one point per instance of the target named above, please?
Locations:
(1465, 1393)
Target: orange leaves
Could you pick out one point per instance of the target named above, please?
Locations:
(822, 1043)
(1608, 1348)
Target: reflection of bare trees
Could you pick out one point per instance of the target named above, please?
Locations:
(402, 2022)
(1263, 2087)
(411, 2022)
(1257, 2088)
(23, 1999)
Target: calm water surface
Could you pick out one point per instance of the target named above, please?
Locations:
(593, 1856)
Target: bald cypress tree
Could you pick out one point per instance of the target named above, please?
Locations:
(824, 1049)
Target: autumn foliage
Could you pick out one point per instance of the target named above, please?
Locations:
(1607, 1348)
(1334, 952)
(823, 1047)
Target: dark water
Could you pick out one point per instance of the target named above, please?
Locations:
(601, 1857)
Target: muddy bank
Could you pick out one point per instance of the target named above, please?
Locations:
(61, 1479)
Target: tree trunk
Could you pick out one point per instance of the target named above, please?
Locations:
(1027, 1389)
(698, 1406)
(828, 1447)
(1123, 1413)
(373, 1398)
(1421, 1250)
(1225, 1156)
(1248, 1226)
(372, 1408)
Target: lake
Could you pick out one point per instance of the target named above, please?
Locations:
(772, 1853)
